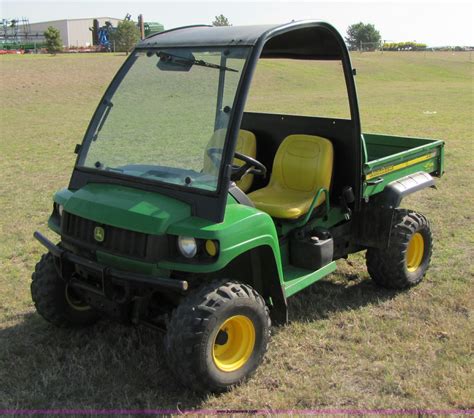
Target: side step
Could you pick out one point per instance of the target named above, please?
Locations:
(296, 279)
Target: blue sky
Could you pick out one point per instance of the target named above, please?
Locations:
(434, 23)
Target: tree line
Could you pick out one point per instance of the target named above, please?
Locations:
(403, 46)
(359, 36)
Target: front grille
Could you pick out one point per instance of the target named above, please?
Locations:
(116, 240)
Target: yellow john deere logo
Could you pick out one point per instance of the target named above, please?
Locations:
(99, 233)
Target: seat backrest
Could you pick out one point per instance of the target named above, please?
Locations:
(246, 144)
(303, 163)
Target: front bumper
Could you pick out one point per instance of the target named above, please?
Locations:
(66, 260)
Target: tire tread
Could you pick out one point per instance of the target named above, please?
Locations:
(387, 266)
(44, 290)
(188, 323)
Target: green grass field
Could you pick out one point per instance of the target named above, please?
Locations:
(349, 344)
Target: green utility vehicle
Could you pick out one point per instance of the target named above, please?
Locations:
(187, 213)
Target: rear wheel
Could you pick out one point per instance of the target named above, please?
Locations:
(55, 301)
(405, 262)
(217, 336)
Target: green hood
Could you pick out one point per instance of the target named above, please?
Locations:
(127, 208)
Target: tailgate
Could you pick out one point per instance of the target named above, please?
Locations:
(389, 158)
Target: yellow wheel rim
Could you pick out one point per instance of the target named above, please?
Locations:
(74, 301)
(234, 343)
(415, 252)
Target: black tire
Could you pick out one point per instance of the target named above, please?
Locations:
(54, 301)
(195, 327)
(397, 266)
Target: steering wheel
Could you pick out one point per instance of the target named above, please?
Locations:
(250, 166)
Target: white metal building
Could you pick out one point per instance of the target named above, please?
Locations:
(74, 32)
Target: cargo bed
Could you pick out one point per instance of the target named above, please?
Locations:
(388, 158)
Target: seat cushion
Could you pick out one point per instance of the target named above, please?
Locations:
(302, 165)
(283, 204)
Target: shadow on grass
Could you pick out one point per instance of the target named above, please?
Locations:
(340, 293)
(113, 366)
(106, 366)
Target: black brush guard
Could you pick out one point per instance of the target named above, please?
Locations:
(65, 261)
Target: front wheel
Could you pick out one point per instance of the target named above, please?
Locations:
(405, 262)
(217, 336)
(55, 301)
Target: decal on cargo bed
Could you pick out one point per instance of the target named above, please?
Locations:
(390, 168)
(429, 166)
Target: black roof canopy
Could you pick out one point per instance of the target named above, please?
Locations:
(303, 39)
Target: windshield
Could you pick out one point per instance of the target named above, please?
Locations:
(167, 119)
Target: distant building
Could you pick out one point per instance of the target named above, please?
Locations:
(74, 32)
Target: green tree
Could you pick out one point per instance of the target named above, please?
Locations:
(221, 20)
(404, 46)
(53, 40)
(125, 36)
(361, 35)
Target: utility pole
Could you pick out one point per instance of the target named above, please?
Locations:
(141, 25)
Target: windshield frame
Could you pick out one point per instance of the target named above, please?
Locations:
(211, 206)
(103, 107)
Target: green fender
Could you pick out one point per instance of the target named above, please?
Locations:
(243, 229)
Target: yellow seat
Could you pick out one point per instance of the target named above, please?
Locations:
(302, 165)
(246, 144)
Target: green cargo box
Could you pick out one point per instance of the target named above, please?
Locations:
(388, 158)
